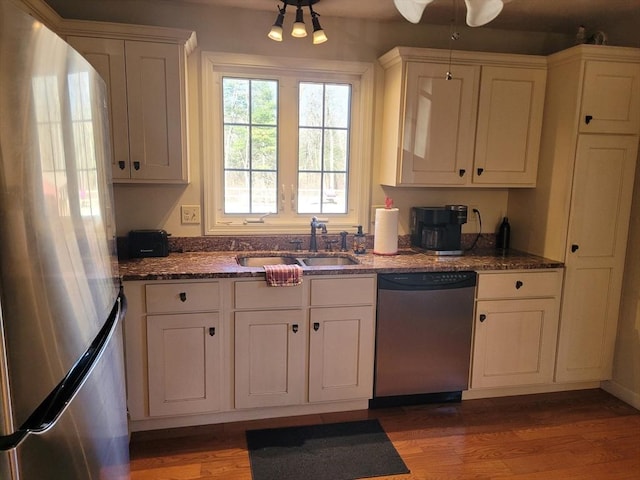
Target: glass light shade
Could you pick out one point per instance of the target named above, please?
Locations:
(412, 9)
(299, 30)
(318, 34)
(319, 37)
(481, 12)
(275, 33)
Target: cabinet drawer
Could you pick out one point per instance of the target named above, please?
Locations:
(343, 291)
(519, 285)
(182, 297)
(260, 295)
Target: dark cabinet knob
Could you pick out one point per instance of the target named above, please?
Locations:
(121, 164)
(316, 326)
(462, 172)
(136, 165)
(519, 285)
(183, 296)
(294, 327)
(587, 119)
(483, 317)
(212, 331)
(480, 170)
(574, 248)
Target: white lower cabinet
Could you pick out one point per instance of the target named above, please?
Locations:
(183, 352)
(341, 353)
(516, 328)
(320, 351)
(173, 345)
(269, 358)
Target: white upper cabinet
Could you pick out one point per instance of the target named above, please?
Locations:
(473, 122)
(432, 137)
(146, 84)
(610, 98)
(509, 124)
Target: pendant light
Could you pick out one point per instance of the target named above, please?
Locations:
(276, 29)
(299, 29)
(318, 33)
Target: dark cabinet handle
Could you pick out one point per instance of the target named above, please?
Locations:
(294, 327)
(574, 248)
(316, 326)
(480, 170)
(462, 172)
(587, 119)
(519, 285)
(183, 297)
(121, 164)
(136, 165)
(483, 317)
(212, 331)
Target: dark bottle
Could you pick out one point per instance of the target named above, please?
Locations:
(504, 234)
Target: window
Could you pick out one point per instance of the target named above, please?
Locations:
(250, 132)
(285, 140)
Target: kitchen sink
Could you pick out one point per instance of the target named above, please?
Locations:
(249, 261)
(328, 260)
(313, 260)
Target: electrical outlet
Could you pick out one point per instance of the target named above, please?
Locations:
(472, 217)
(190, 214)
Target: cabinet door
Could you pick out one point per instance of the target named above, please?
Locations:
(157, 112)
(509, 126)
(598, 226)
(270, 362)
(107, 57)
(341, 350)
(610, 98)
(515, 342)
(439, 124)
(183, 353)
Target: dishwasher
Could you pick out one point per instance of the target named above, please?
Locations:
(423, 337)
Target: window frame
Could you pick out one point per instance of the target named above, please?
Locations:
(360, 75)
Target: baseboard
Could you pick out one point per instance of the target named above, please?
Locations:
(622, 392)
(526, 390)
(246, 415)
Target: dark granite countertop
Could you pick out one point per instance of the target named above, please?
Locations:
(223, 264)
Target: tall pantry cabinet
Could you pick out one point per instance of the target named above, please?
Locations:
(579, 212)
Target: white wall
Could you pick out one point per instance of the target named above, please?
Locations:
(626, 366)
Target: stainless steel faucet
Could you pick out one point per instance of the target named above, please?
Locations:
(313, 243)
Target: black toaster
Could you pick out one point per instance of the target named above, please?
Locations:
(148, 243)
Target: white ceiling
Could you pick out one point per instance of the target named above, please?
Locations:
(562, 16)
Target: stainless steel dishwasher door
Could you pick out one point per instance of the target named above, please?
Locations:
(424, 329)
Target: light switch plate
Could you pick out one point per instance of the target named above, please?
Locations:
(190, 214)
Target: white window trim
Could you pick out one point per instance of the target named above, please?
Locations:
(360, 151)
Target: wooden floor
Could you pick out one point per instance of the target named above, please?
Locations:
(569, 435)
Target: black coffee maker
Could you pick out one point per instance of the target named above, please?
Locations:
(438, 229)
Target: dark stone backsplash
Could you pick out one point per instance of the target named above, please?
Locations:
(282, 243)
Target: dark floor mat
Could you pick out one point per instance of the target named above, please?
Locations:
(337, 451)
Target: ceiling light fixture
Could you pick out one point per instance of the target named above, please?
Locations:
(299, 29)
(479, 12)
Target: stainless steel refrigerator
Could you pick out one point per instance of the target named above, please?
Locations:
(62, 395)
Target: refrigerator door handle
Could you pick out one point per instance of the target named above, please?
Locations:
(47, 413)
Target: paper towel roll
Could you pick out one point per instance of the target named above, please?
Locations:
(385, 240)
